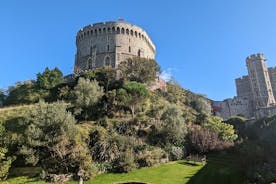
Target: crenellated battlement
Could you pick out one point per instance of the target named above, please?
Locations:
(258, 56)
(114, 27)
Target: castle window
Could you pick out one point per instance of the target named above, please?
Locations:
(131, 32)
(107, 61)
(129, 49)
(127, 31)
(139, 35)
(107, 47)
(108, 30)
(113, 29)
(142, 36)
(100, 30)
(104, 30)
(118, 30)
(89, 63)
(136, 33)
(139, 53)
(123, 31)
(91, 32)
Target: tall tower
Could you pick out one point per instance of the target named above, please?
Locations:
(259, 81)
(109, 43)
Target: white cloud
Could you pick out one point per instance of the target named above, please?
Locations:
(166, 74)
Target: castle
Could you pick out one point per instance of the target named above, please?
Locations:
(109, 43)
(256, 92)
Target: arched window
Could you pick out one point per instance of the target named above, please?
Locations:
(139, 53)
(131, 32)
(135, 33)
(107, 61)
(91, 32)
(123, 31)
(100, 30)
(104, 30)
(89, 63)
(113, 29)
(139, 35)
(108, 30)
(118, 30)
(129, 49)
(127, 31)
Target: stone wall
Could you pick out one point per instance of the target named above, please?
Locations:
(265, 112)
(272, 76)
(243, 86)
(259, 81)
(232, 107)
(109, 43)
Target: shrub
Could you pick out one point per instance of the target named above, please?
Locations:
(151, 156)
(175, 153)
(202, 140)
(124, 163)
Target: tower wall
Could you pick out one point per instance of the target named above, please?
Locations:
(109, 43)
(259, 81)
(243, 87)
(272, 76)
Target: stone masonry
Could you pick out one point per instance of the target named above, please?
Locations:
(109, 43)
(255, 92)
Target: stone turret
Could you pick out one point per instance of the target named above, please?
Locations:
(259, 81)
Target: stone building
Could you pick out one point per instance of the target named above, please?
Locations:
(255, 92)
(272, 76)
(109, 43)
(259, 81)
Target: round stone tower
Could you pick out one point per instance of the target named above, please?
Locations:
(109, 43)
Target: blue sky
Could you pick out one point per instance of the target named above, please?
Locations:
(203, 44)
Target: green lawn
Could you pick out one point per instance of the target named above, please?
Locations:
(219, 169)
(23, 180)
(171, 173)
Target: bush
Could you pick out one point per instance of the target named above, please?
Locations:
(4, 167)
(124, 163)
(151, 156)
(175, 153)
(5, 161)
(202, 140)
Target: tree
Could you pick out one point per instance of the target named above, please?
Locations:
(2, 97)
(106, 77)
(225, 131)
(87, 93)
(5, 161)
(49, 78)
(133, 94)
(174, 126)
(51, 140)
(201, 139)
(202, 105)
(139, 69)
(22, 93)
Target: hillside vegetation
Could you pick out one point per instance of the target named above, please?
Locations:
(98, 123)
